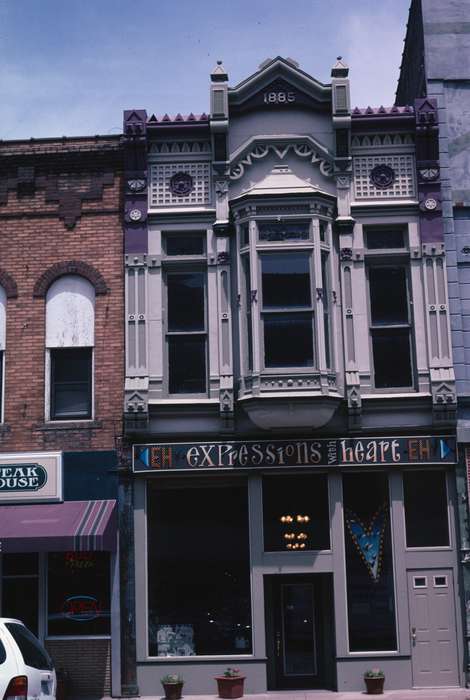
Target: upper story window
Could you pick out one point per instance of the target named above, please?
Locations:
(285, 290)
(186, 313)
(390, 319)
(70, 321)
(287, 314)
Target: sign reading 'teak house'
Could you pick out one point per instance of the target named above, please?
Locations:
(31, 477)
(342, 452)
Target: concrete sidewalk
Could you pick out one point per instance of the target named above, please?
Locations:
(408, 694)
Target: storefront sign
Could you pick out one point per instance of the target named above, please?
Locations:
(295, 453)
(27, 477)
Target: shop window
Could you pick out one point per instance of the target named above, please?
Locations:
(198, 571)
(78, 594)
(369, 563)
(295, 513)
(426, 514)
(186, 331)
(70, 320)
(390, 326)
(287, 309)
(20, 588)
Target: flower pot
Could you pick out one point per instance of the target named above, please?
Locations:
(173, 690)
(230, 686)
(374, 686)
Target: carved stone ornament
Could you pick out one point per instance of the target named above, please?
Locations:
(136, 184)
(181, 184)
(280, 150)
(382, 176)
(221, 188)
(429, 174)
(223, 259)
(346, 254)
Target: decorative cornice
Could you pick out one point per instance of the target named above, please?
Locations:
(259, 147)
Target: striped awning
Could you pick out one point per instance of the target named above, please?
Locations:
(57, 527)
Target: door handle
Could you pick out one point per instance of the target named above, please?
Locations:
(413, 635)
(278, 643)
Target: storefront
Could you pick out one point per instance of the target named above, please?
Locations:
(58, 536)
(302, 562)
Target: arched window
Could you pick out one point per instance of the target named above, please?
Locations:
(3, 333)
(70, 334)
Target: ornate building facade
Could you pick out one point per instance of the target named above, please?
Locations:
(290, 392)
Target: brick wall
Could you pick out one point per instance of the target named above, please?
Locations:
(87, 662)
(60, 201)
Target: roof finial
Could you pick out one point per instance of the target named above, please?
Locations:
(340, 69)
(219, 74)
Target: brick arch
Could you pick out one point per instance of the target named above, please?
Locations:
(8, 284)
(71, 267)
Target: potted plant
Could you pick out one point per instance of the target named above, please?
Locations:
(374, 679)
(173, 686)
(230, 685)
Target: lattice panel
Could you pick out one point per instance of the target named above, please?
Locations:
(161, 174)
(403, 187)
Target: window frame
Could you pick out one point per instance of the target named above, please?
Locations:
(431, 548)
(174, 264)
(50, 388)
(383, 260)
(311, 310)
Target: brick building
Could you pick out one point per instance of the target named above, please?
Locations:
(61, 346)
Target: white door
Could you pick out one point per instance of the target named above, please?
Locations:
(432, 628)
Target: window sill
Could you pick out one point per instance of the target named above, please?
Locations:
(398, 395)
(87, 424)
(180, 402)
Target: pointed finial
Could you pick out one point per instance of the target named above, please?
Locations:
(219, 74)
(340, 69)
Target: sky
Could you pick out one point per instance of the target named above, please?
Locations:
(70, 67)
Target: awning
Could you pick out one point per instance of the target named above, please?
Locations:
(57, 527)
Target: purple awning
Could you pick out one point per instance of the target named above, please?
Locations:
(86, 526)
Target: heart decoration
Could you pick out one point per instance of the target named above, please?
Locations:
(369, 539)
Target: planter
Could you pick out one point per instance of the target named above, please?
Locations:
(230, 687)
(374, 686)
(173, 691)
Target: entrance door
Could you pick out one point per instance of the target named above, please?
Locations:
(433, 630)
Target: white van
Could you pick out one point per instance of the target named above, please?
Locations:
(26, 669)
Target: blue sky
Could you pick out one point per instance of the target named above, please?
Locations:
(69, 67)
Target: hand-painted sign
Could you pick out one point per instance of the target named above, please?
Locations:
(22, 477)
(295, 453)
(27, 477)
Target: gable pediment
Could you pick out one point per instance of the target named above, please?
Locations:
(279, 84)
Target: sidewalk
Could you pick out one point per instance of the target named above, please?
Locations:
(407, 694)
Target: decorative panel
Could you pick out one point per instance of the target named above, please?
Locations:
(163, 194)
(402, 185)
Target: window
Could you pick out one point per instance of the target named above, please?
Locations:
(295, 513)
(390, 326)
(70, 320)
(287, 309)
(78, 594)
(426, 516)
(284, 231)
(20, 598)
(440, 581)
(3, 307)
(420, 582)
(198, 571)
(186, 332)
(381, 239)
(33, 653)
(369, 563)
